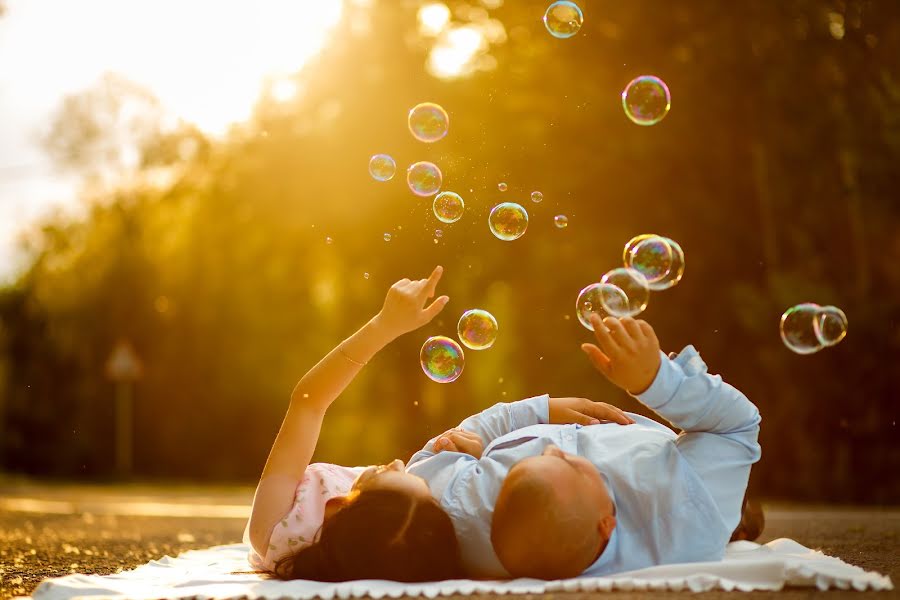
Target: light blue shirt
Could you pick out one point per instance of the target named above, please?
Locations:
(678, 497)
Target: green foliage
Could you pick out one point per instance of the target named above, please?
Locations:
(776, 171)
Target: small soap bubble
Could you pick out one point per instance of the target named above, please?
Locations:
(502, 186)
(537, 197)
(830, 325)
(442, 359)
(382, 167)
(561, 221)
(633, 284)
(365, 275)
(387, 237)
(438, 233)
(328, 240)
(508, 221)
(477, 329)
(448, 207)
(798, 330)
(593, 298)
(424, 178)
(647, 248)
(428, 122)
(563, 19)
(646, 100)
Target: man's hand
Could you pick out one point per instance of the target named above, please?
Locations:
(585, 412)
(460, 440)
(628, 354)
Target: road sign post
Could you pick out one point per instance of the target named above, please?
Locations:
(124, 368)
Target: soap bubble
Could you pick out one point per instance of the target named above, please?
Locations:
(830, 325)
(652, 247)
(428, 122)
(537, 197)
(365, 275)
(502, 186)
(646, 100)
(382, 167)
(328, 240)
(636, 290)
(477, 329)
(508, 221)
(424, 178)
(594, 297)
(798, 330)
(563, 19)
(448, 207)
(561, 221)
(442, 359)
(387, 237)
(438, 233)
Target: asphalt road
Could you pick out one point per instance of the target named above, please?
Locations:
(67, 529)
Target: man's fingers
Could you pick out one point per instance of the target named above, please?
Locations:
(632, 327)
(444, 443)
(601, 332)
(619, 334)
(466, 445)
(432, 281)
(600, 360)
(607, 412)
(436, 307)
(647, 330)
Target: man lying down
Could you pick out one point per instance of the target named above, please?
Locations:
(552, 501)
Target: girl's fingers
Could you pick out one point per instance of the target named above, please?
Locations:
(432, 281)
(436, 307)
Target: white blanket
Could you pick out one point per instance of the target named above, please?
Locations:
(211, 573)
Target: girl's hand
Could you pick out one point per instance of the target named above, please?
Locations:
(404, 307)
(460, 440)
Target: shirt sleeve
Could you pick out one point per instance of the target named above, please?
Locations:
(720, 426)
(497, 421)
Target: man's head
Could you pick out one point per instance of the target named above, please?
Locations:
(553, 516)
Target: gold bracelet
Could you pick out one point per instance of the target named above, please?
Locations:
(347, 356)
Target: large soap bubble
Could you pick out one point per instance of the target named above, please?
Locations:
(830, 325)
(477, 329)
(424, 178)
(382, 167)
(659, 259)
(646, 100)
(798, 330)
(634, 285)
(594, 297)
(448, 207)
(563, 19)
(442, 359)
(428, 122)
(508, 221)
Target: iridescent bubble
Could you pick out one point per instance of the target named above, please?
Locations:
(652, 244)
(382, 167)
(646, 100)
(477, 329)
(652, 257)
(561, 221)
(428, 122)
(563, 19)
(442, 359)
(830, 325)
(448, 207)
(424, 178)
(633, 284)
(593, 298)
(387, 237)
(502, 186)
(537, 197)
(798, 331)
(508, 221)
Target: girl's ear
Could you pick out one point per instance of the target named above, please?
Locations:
(335, 504)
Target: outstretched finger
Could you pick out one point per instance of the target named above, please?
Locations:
(618, 333)
(601, 332)
(647, 330)
(436, 307)
(432, 281)
(632, 327)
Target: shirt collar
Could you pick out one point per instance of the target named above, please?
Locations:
(610, 550)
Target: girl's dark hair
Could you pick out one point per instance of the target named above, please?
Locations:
(380, 534)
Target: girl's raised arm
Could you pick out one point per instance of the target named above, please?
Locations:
(404, 310)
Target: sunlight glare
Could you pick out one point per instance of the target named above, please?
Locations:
(433, 18)
(454, 53)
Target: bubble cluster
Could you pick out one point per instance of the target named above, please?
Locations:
(561, 221)
(646, 100)
(659, 259)
(508, 221)
(594, 297)
(477, 329)
(635, 288)
(502, 186)
(563, 19)
(382, 167)
(448, 207)
(424, 178)
(537, 197)
(807, 328)
(428, 122)
(442, 359)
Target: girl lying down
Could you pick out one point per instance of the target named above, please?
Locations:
(331, 523)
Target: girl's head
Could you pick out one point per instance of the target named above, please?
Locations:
(387, 527)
